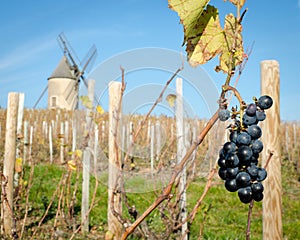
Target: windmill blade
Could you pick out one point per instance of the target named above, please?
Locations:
(89, 59)
(40, 97)
(67, 49)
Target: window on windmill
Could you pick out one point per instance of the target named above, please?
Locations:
(54, 102)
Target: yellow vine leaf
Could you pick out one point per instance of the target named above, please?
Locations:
(190, 12)
(78, 153)
(100, 109)
(238, 2)
(211, 38)
(72, 165)
(86, 102)
(18, 165)
(205, 38)
(171, 99)
(232, 37)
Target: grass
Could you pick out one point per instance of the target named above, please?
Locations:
(221, 215)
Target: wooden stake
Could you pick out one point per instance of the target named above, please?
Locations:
(272, 203)
(114, 166)
(181, 151)
(50, 144)
(9, 163)
(87, 161)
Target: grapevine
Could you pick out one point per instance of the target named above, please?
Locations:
(238, 158)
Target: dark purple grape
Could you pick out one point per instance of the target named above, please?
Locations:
(244, 153)
(224, 115)
(243, 138)
(257, 146)
(233, 136)
(260, 115)
(254, 158)
(232, 172)
(229, 147)
(258, 196)
(265, 102)
(253, 171)
(249, 120)
(221, 153)
(221, 162)
(222, 173)
(257, 187)
(254, 131)
(251, 109)
(230, 185)
(255, 155)
(243, 179)
(232, 160)
(261, 174)
(245, 194)
(253, 161)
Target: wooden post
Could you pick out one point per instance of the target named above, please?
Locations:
(87, 162)
(50, 144)
(272, 207)
(181, 150)
(62, 142)
(114, 226)
(74, 125)
(9, 163)
(158, 139)
(30, 141)
(19, 161)
(96, 142)
(26, 124)
(152, 149)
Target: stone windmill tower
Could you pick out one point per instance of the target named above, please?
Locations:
(63, 84)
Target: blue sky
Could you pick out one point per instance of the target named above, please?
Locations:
(29, 50)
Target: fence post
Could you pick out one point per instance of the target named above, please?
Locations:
(272, 204)
(9, 163)
(19, 161)
(114, 226)
(181, 150)
(87, 161)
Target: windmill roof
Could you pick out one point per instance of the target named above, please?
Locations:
(63, 69)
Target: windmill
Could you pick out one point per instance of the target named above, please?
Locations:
(64, 82)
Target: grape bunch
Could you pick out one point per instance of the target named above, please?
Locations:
(238, 158)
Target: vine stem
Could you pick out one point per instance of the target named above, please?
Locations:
(235, 92)
(248, 232)
(249, 220)
(135, 136)
(167, 190)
